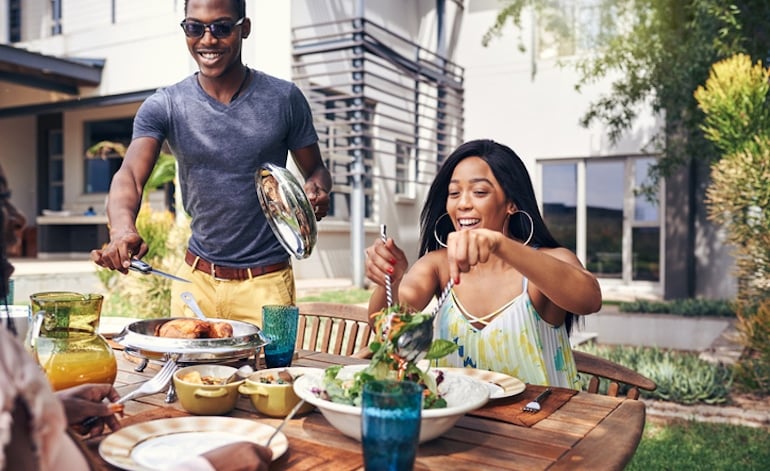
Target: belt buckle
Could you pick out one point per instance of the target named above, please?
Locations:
(214, 273)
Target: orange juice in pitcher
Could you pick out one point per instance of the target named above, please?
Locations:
(65, 341)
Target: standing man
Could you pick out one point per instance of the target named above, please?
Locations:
(222, 124)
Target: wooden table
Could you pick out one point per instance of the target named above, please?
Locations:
(590, 431)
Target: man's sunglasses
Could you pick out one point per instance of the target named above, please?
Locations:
(219, 29)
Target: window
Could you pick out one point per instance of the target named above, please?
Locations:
(560, 203)
(56, 28)
(14, 21)
(404, 164)
(604, 217)
(591, 207)
(55, 169)
(100, 168)
(568, 27)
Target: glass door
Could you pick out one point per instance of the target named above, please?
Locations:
(593, 207)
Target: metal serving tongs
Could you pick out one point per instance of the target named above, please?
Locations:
(145, 269)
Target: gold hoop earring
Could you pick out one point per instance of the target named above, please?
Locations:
(531, 224)
(435, 230)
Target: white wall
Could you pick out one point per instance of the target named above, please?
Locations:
(538, 117)
(19, 158)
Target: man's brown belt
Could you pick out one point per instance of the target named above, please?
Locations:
(231, 273)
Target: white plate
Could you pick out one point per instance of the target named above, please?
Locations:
(158, 444)
(112, 325)
(499, 384)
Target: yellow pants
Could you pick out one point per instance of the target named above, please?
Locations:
(239, 300)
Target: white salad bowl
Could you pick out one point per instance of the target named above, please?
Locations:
(462, 394)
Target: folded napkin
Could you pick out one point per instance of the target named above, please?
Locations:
(509, 409)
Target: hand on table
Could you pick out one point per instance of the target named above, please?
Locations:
(87, 400)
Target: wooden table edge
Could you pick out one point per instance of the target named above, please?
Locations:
(615, 448)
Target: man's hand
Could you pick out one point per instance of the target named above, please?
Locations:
(87, 400)
(319, 198)
(118, 253)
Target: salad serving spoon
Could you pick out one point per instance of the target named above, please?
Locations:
(413, 344)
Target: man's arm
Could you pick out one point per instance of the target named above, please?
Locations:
(318, 180)
(123, 205)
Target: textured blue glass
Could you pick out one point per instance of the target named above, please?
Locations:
(390, 424)
(279, 324)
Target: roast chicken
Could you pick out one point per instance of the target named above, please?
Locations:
(190, 328)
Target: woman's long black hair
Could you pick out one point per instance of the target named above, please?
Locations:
(513, 176)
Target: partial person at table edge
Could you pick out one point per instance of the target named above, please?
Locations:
(222, 124)
(40, 429)
(516, 289)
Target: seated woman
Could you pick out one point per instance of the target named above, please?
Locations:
(516, 289)
(35, 422)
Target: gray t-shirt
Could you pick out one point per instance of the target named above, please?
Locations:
(218, 148)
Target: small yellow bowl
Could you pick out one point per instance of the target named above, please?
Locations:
(206, 399)
(275, 399)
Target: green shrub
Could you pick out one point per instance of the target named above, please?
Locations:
(753, 369)
(682, 307)
(681, 377)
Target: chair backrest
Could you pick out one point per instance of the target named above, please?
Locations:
(341, 329)
(599, 368)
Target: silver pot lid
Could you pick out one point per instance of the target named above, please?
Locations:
(287, 209)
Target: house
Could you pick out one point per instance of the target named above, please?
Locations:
(394, 85)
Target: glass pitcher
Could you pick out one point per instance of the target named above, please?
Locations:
(64, 339)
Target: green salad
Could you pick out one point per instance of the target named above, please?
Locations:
(387, 364)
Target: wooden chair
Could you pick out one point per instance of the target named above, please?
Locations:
(340, 329)
(599, 368)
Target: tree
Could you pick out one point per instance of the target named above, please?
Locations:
(734, 100)
(660, 51)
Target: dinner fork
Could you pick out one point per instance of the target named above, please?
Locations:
(534, 406)
(152, 386)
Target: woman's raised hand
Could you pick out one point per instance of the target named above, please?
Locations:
(471, 247)
(385, 259)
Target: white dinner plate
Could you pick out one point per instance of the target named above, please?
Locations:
(109, 326)
(500, 384)
(158, 444)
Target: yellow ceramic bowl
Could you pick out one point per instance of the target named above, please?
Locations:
(206, 399)
(275, 399)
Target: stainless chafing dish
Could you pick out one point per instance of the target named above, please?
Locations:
(138, 339)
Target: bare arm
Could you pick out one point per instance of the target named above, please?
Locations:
(123, 205)
(557, 273)
(318, 180)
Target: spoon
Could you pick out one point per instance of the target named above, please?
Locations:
(243, 372)
(188, 299)
(285, 421)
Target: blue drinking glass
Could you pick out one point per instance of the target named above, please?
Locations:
(390, 424)
(279, 324)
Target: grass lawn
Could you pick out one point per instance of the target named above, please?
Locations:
(694, 445)
(347, 296)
